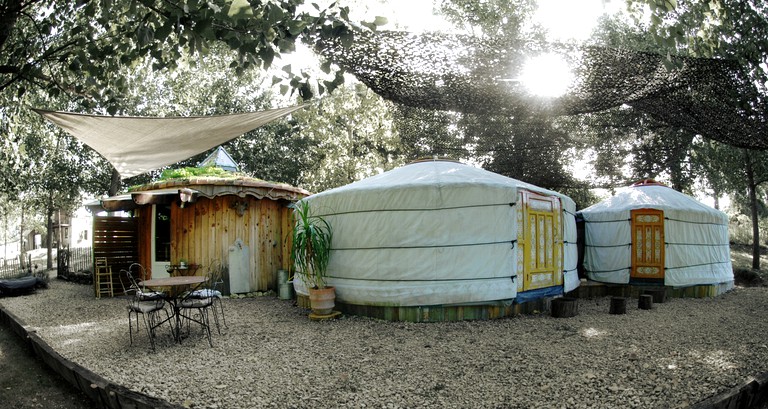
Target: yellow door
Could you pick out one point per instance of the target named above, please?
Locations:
(540, 241)
(647, 244)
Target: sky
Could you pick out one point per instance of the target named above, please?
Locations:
(564, 19)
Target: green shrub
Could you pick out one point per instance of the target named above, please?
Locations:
(186, 173)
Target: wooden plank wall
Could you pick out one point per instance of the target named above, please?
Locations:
(203, 231)
(116, 238)
(144, 227)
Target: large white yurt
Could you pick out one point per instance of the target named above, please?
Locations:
(439, 232)
(650, 233)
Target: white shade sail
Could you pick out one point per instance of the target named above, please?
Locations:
(135, 145)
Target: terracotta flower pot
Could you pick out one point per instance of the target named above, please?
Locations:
(323, 300)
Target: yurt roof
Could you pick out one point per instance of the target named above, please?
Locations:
(652, 196)
(436, 174)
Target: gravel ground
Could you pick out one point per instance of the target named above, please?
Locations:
(272, 355)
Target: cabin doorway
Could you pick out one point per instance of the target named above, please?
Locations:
(161, 240)
(647, 245)
(540, 241)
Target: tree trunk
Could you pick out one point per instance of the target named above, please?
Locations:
(49, 238)
(5, 235)
(753, 210)
(114, 183)
(22, 250)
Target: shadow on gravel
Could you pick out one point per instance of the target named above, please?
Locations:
(26, 382)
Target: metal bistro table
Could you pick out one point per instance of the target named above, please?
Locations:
(175, 295)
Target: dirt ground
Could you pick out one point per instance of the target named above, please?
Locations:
(26, 382)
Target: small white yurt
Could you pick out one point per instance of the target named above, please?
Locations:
(439, 232)
(650, 233)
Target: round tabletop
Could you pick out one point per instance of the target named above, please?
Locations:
(172, 281)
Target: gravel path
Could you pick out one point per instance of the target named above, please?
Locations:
(272, 355)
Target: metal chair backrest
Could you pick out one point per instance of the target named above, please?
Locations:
(133, 284)
(138, 271)
(215, 277)
(141, 290)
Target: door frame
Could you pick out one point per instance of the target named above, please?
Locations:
(651, 221)
(158, 267)
(532, 273)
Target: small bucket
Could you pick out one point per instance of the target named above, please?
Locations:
(286, 291)
(284, 287)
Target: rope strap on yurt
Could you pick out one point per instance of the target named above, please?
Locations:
(607, 246)
(607, 221)
(693, 222)
(420, 209)
(696, 265)
(490, 243)
(405, 280)
(607, 271)
(698, 244)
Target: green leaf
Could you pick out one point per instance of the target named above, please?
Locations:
(305, 91)
(240, 9)
(275, 13)
(380, 21)
(295, 27)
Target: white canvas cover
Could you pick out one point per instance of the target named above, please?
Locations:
(697, 247)
(135, 145)
(429, 233)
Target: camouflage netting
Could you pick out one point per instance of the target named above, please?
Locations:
(711, 97)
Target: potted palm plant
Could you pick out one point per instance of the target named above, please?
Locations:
(310, 252)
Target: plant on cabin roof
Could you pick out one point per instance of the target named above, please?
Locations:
(184, 173)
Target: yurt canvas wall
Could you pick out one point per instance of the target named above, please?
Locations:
(444, 233)
(652, 233)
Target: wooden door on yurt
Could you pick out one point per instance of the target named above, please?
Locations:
(540, 241)
(647, 244)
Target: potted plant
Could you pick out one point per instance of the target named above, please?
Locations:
(310, 252)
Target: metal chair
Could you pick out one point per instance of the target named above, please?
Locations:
(215, 280)
(201, 301)
(142, 292)
(102, 276)
(148, 307)
(199, 306)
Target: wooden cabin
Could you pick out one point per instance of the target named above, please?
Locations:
(242, 222)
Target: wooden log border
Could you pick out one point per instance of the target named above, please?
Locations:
(97, 388)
